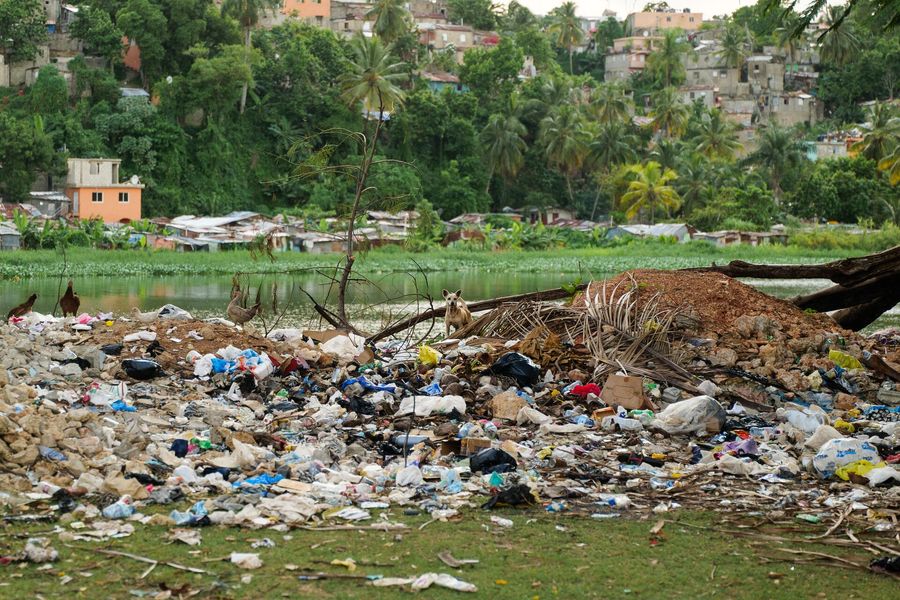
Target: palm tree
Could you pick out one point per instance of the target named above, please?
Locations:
(391, 19)
(613, 143)
(373, 77)
(665, 62)
(670, 114)
(785, 37)
(650, 189)
(891, 165)
(666, 152)
(734, 48)
(505, 148)
(882, 132)
(609, 104)
(694, 181)
(778, 152)
(566, 28)
(717, 138)
(247, 13)
(564, 137)
(838, 43)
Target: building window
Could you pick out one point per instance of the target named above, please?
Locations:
(692, 95)
(668, 19)
(691, 19)
(319, 20)
(756, 68)
(123, 197)
(444, 37)
(97, 197)
(346, 25)
(785, 101)
(723, 73)
(95, 168)
(462, 37)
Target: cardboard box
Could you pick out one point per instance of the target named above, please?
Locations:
(624, 391)
(465, 446)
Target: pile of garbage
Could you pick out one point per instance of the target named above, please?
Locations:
(722, 399)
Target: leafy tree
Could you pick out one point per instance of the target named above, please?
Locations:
(454, 192)
(391, 19)
(517, 17)
(650, 190)
(778, 153)
(695, 182)
(492, 74)
(565, 28)
(891, 165)
(843, 189)
(22, 28)
(100, 35)
(717, 137)
(50, 93)
(247, 13)
(664, 64)
(565, 140)
(144, 23)
(871, 74)
(534, 43)
(670, 114)
(504, 146)
(887, 10)
(25, 149)
(479, 14)
(98, 84)
(217, 84)
(606, 32)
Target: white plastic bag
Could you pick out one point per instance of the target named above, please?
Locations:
(843, 451)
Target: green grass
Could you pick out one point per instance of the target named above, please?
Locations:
(543, 556)
(123, 263)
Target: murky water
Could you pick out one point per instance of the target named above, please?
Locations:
(374, 304)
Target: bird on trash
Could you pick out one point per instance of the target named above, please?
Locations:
(69, 302)
(144, 317)
(22, 309)
(238, 313)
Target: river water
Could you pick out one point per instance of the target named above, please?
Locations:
(384, 299)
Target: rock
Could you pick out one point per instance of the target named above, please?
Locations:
(507, 405)
(844, 401)
(793, 381)
(724, 357)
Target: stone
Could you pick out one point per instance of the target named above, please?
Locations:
(724, 357)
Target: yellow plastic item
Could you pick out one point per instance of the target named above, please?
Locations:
(860, 467)
(428, 356)
(844, 360)
(348, 563)
(843, 426)
(658, 456)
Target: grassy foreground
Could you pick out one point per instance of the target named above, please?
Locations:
(542, 556)
(643, 254)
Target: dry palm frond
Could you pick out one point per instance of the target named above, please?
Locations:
(622, 333)
(516, 320)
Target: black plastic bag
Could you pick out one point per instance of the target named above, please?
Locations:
(516, 495)
(517, 366)
(492, 460)
(112, 349)
(142, 369)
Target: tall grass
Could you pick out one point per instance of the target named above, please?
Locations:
(83, 262)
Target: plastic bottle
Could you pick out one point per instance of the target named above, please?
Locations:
(121, 509)
(615, 500)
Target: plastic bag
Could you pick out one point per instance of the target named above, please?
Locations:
(492, 460)
(428, 356)
(844, 360)
(427, 405)
(518, 366)
(840, 452)
(142, 369)
(691, 416)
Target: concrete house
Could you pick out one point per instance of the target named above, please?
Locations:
(96, 191)
(314, 12)
(641, 23)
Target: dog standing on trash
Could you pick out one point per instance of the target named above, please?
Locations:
(457, 314)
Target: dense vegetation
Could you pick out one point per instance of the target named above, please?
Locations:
(243, 121)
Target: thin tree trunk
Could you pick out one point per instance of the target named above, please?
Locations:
(368, 157)
(247, 35)
(571, 68)
(569, 187)
(487, 188)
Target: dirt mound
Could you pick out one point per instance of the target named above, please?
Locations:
(721, 305)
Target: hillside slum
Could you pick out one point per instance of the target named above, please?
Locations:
(649, 392)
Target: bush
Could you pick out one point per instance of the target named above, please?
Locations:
(834, 239)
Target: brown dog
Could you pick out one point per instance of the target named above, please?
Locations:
(458, 314)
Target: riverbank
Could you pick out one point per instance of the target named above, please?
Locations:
(82, 262)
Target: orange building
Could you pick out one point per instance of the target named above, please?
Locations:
(94, 188)
(314, 12)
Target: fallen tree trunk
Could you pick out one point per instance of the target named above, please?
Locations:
(554, 294)
(866, 286)
(847, 271)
